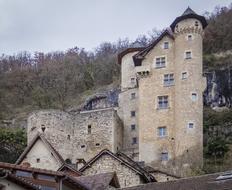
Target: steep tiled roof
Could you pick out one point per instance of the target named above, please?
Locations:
(45, 141)
(204, 182)
(99, 181)
(126, 161)
(189, 13)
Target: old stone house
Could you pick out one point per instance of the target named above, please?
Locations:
(156, 119)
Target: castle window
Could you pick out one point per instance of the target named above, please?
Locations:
(97, 144)
(190, 37)
(188, 55)
(82, 146)
(89, 129)
(38, 160)
(132, 80)
(162, 131)
(194, 96)
(166, 45)
(132, 113)
(134, 140)
(132, 96)
(160, 62)
(162, 102)
(190, 125)
(132, 127)
(164, 156)
(196, 24)
(168, 79)
(184, 75)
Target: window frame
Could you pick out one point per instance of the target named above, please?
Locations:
(196, 97)
(165, 155)
(163, 132)
(182, 74)
(188, 55)
(133, 127)
(134, 140)
(193, 125)
(166, 45)
(160, 62)
(168, 81)
(133, 113)
(133, 95)
(164, 101)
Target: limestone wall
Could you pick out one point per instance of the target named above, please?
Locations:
(106, 163)
(78, 136)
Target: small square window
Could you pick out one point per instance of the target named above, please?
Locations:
(164, 156)
(188, 55)
(184, 75)
(162, 131)
(134, 140)
(132, 80)
(132, 113)
(191, 125)
(38, 160)
(133, 127)
(194, 96)
(190, 37)
(166, 45)
(132, 96)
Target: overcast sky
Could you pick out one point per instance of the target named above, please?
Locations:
(50, 25)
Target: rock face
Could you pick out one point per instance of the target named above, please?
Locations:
(219, 88)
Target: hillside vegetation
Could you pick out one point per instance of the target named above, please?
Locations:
(62, 79)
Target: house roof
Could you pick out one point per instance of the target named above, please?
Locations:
(9, 166)
(189, 13)
(45, 141)
(65, 167)
(100, 181)
(123, 159)
(126, 51)
(204, 182)
(152, 170)
(141, 54)
(12, 168)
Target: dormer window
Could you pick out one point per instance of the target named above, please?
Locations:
(166, 45)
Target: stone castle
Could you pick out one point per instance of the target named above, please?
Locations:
(157, 120)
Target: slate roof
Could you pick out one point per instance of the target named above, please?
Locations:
(123, 159)
(204, 182)
(45, 141)
(126, 51)
(99, 181)
(189, 13)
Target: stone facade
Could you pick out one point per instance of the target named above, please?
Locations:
(158, 118)
(169, 104)
(79, 136)
(126, 176)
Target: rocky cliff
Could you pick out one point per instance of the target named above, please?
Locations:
(218, 93)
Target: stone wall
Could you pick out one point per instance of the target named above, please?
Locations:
(126, 176)
(80, 135)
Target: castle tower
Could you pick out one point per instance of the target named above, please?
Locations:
(169, 105)
(189, 87)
